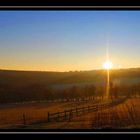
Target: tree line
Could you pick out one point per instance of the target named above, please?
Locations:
(43, 92)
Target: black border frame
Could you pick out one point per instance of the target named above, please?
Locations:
(69, 2)
(75, 8)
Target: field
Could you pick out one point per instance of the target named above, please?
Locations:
(123, 115)
(69, 100)
(12, 114)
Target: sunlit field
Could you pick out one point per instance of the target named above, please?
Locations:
(86, 102)
(122, 116)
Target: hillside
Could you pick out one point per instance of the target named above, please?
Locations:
(20, 78)
(20, 86)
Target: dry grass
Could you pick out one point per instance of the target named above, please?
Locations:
(34, 112)
(125, 115)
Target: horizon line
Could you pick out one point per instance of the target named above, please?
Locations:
(20, 70)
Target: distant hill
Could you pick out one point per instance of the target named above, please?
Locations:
(20, 78)
(20, 86)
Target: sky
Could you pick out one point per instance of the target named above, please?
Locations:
(68, 40)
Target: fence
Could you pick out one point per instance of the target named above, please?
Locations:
(67, 115)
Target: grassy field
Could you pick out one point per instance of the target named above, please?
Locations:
(12, 114)
(19, 88)
(124, 115)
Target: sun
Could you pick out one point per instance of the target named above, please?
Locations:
(107, 65)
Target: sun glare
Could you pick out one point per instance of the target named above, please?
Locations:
(108, 65)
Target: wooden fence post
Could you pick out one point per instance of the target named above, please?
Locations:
(83, 110)
(70, 115)
(48, 116)
(58, 117)
(88, 108)
(76, 111)
(65, 115)
(24, 119)
(97, 107)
